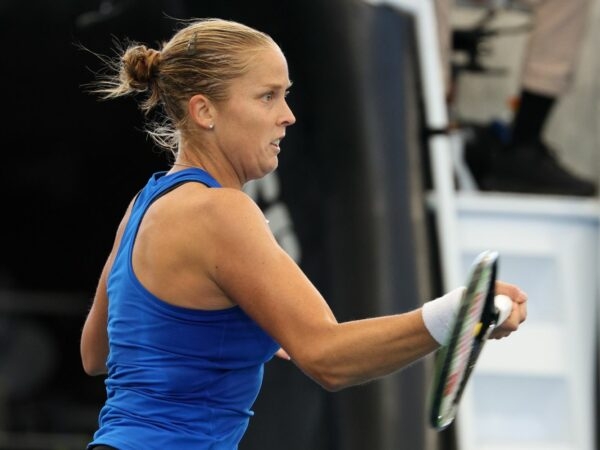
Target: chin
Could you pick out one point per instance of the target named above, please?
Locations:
(272, 168)
(264, 172)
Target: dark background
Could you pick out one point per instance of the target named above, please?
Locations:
(71, 165)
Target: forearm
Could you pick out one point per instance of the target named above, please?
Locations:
(359, 351)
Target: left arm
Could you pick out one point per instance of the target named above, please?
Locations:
(94, 336)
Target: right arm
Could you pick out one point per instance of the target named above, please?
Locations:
(255, 272)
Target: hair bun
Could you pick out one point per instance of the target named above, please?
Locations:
(141, 65)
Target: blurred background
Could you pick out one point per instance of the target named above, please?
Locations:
(349, 199)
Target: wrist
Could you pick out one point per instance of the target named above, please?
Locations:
(439, 314)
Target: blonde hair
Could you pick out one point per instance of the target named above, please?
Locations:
(201, 58)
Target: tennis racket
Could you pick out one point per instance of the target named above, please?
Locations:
(479, 313)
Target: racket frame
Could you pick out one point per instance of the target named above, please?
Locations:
(475, 321)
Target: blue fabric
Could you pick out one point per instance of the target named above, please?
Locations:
(178, 378)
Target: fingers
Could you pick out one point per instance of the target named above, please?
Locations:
(508, 326)
(519, 309)
(513, 291)
(281, 353)
(514, 320)
(522, 308)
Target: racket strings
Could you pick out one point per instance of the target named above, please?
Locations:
(467, 333)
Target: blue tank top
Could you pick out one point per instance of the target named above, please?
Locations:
(178, 378)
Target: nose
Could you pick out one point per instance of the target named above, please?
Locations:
(287, 116)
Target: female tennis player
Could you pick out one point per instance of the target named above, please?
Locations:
(196, 294)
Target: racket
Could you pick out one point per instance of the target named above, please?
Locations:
(479, 313)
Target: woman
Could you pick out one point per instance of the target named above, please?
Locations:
(196, 294)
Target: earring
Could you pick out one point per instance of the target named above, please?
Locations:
(211, 126)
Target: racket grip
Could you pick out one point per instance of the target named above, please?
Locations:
(503, 305)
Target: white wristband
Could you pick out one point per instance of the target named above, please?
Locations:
(439, 314)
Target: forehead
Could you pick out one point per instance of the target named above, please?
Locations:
(267, 67)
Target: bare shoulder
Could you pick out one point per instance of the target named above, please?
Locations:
(229, 201)
(222, 203)
(224, 214)
(233, 238)
(235, 214)
(190, 234)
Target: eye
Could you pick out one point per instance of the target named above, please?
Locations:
(268, 96)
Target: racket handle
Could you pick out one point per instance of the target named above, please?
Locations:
(503, 305)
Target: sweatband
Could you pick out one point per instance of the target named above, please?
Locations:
(439, 314)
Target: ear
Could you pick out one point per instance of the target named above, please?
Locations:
(201, 111)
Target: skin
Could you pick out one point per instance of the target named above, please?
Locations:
(211, 249)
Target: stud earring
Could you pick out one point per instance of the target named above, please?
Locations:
(211, 126)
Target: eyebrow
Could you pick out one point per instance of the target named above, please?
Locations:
(279, 86)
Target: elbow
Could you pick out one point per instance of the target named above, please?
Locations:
(328, 376)
(94, 353)
(325, 360)
(93, 368)
(93, 365)
(329, 380)
(332, 385)
(325, 372)
(92, 372)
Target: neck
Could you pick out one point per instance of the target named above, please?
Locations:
(204, 160)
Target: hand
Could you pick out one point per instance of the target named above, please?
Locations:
(518, 313)
(281, 353)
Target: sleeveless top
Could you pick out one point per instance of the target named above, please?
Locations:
(178, 378)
